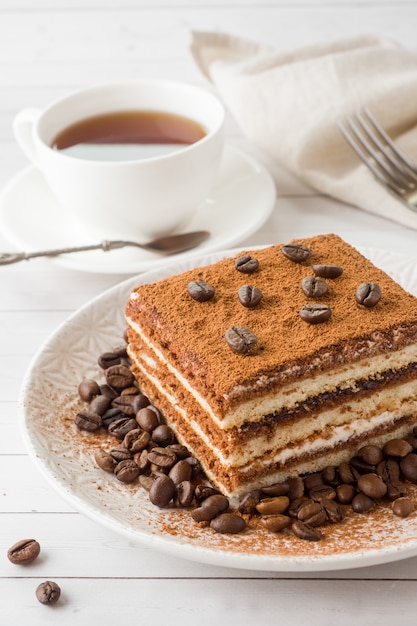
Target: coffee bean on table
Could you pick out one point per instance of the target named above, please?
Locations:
(141, 401)
(276, 523)
(180, 472)
(345, 493)
(297, 253)
(48, 592)
(88, 389)
(162, 457)
(273, 506)
(200, 290)
(163, 435)
(249, 296)
(185, 493)
(228, 523)
(136, 440)
(24, 551)
(246, 264)
(371, 454)
(368, 294)
(314, 286)
(327, 271)
(315, 313)
(87, 420)
(240, 339)
(100, 404)
(389, 470)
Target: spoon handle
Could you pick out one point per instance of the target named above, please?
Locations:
(7, 258)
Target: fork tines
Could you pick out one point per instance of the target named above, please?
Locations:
(379, 153)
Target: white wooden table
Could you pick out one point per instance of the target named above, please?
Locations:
(48, 47)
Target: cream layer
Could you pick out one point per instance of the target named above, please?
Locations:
(287, 397)
(306, 434)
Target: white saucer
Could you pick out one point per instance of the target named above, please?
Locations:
(241, 201)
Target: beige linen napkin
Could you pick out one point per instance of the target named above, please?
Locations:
(288, 104)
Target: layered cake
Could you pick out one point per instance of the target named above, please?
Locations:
(279, 361)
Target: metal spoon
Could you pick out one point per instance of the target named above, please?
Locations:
(170, 244)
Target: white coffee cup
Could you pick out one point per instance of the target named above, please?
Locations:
(140, 198)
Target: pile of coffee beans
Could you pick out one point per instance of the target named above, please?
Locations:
(146, 451)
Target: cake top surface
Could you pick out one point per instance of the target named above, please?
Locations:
(195, 331)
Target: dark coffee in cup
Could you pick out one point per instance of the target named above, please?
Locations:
(128, 135)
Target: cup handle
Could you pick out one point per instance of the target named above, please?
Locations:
(23, 124)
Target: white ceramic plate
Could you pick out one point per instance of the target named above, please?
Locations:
(241, 201)
(64, 453)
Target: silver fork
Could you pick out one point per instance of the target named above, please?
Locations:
(375, 148)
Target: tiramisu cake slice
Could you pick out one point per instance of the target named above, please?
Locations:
(277, 362)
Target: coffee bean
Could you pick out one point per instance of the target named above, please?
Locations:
(120, 454)
(402, 507)
(362, 503)
(88, 389)
(48, 592)
(141, 460)
(240, 339)
(126, 471)
(107, 359)
(276, 523)
(24, 551)
(162, 491)
(296, 252)
(315, 313)
(389, 470)
(331, 476)
(246, 264)
(181, 452)
(120, 427)
(185, 493)
(111, 415)
(119, 377)
(277, 489)
(345, 493)
(304, 531)
(311, 481)
(396, 490)
(200, 290)
(248, 503)
(397, 447)
(372, 485)
(368, 294)
(327, 271)
(87, 420)
(314, 286)
(147, 419)
(136, 440)
(141, 401)
(296, 505)
(273, 506)
(371, 454)
(333, 510)
(163, 435)
(322, 492)
(409, 467)
(100, 404)
(210, 508)
(249, 296)
(108, 392)
(228, 523)
(296, 487)
(104, 460)
(359, 464)
(162, 457)
(180, 472)
(125, 404)
(202, 492)
(347, 473)
(312, 514)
